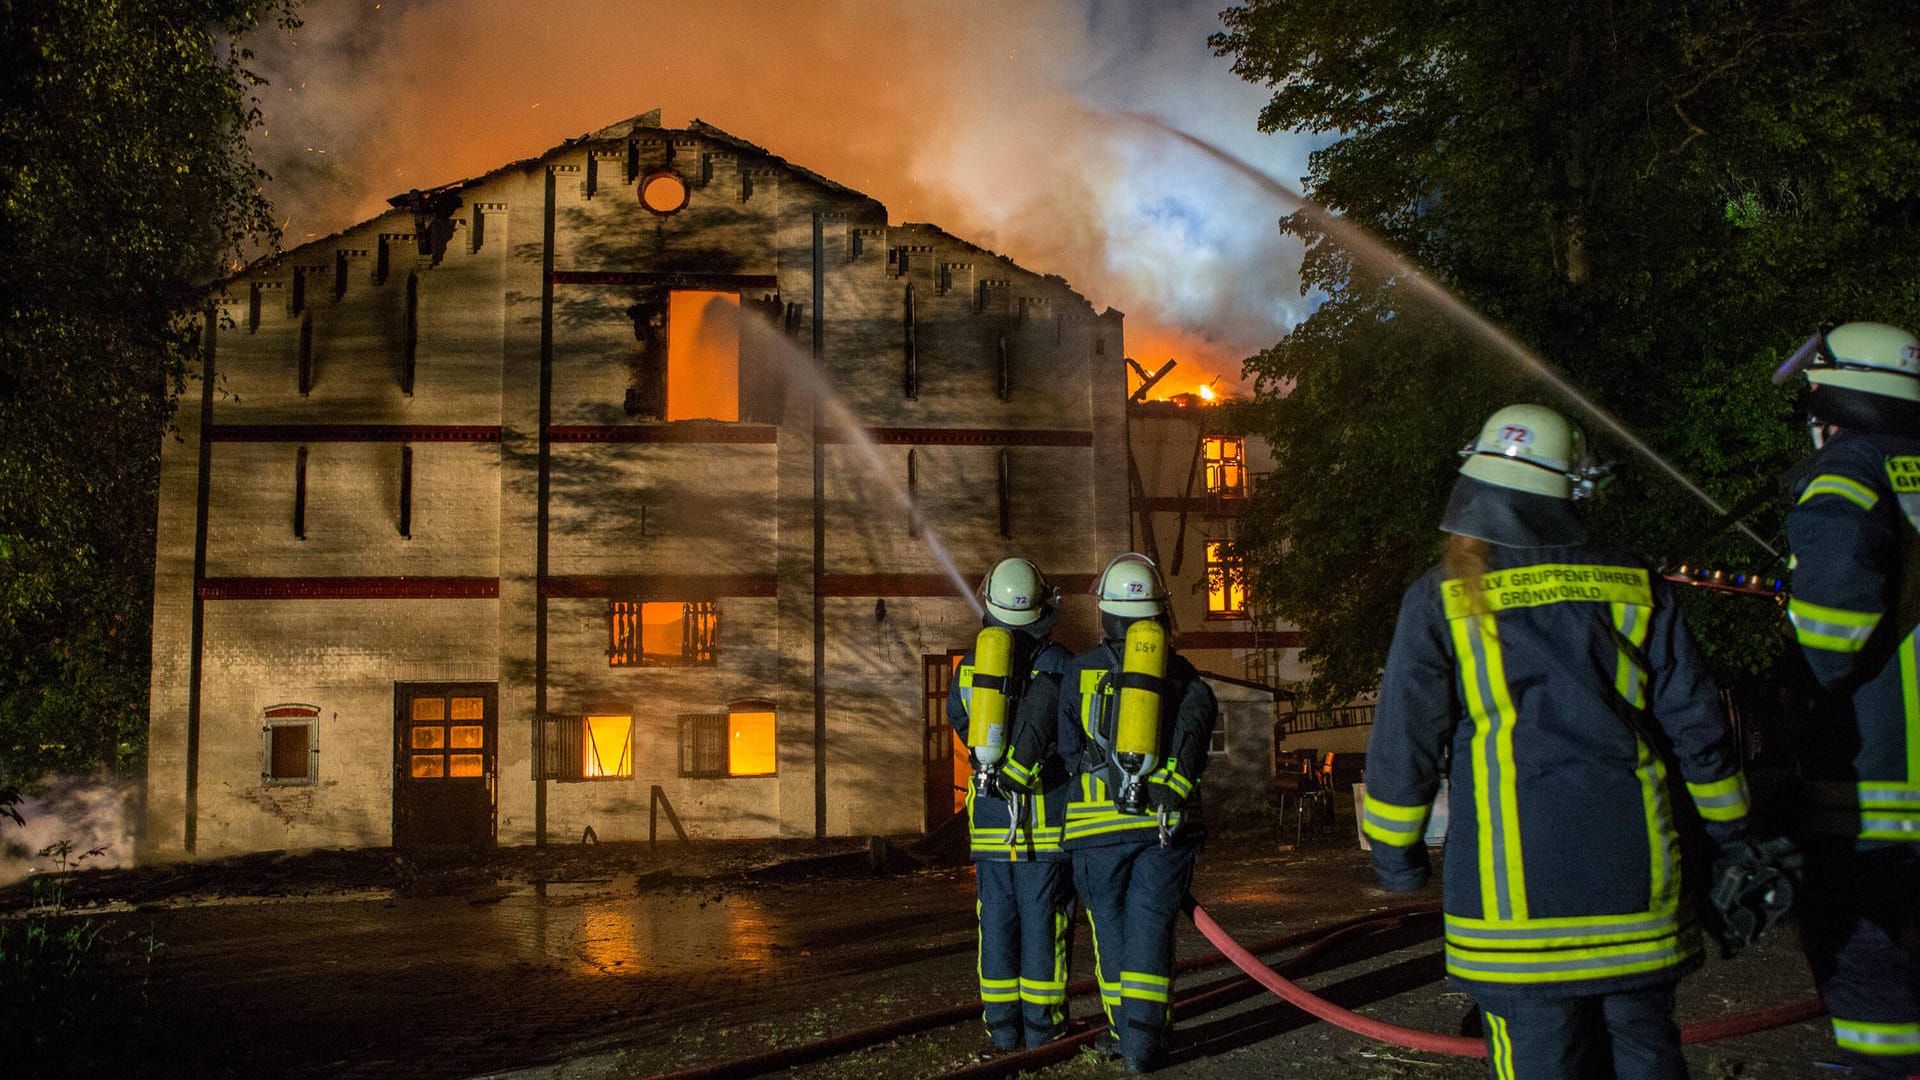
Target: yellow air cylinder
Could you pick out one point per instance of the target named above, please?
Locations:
(1137, 730)
(987, 708)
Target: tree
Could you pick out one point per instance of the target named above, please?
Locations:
(127, 187)
(1661, 200)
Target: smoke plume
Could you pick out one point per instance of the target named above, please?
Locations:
(1000, 122)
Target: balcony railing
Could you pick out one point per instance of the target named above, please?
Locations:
(1339, 716)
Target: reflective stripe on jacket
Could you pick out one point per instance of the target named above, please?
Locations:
(988, 817)
(1855, 533)
(1188, 713)
(1547, 682)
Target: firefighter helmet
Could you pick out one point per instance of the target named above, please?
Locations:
(1531, 448)
(1864, 375)
(1130, 587)
(1016, 592)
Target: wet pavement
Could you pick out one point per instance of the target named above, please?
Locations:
(578, 964)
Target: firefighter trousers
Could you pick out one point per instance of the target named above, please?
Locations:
(1629, 1036)
(1860, 924)
(1026, 918)
(1134, 894)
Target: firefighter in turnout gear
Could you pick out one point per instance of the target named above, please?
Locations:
(1135, 723)
(1002, 705)
(1560, 678)
(1855, 533)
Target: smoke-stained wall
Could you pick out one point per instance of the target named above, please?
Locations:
(414, 534)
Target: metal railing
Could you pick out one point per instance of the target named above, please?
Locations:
(1339, 716)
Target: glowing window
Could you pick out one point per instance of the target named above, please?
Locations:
(655, 633)
(606, 747)
(1226, 592)
(738, 742)
(663, 193)
(703, 355)
(1226, 465)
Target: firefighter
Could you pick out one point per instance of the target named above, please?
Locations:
(1010, 680)
(1135, 722)
(1555, 671)
(1855, 601)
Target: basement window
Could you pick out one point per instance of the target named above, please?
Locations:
(290, 750)
(1218, 742)
(738, 742)
(655, 633)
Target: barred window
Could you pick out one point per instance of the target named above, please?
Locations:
(661, 633)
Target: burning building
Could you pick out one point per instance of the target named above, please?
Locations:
(648, 476)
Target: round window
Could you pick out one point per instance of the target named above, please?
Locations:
(663, 192)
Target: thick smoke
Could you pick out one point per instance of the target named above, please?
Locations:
(997, 121)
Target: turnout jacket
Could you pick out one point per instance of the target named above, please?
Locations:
(1855, 535)
(1027, 765)
(1559, 705)
(1089, 698)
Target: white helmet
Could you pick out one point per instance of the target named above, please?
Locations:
(1864, 376)
(1015, 592)
(1130, 587)
(1531, 448)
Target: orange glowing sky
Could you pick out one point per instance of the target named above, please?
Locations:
(994, 119)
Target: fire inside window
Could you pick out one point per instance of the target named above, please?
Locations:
(606, 747)
(662, 633)
(703, 355)
(446, 740)
(1226, 593)
(1226, 465)
(738, 742)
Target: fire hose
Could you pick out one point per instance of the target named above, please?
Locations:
(1460, 1046)
(1317, 941)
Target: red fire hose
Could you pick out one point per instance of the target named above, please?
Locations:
(1459, 1045)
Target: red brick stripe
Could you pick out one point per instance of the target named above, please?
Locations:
(962, 437)
(353, 433)
(349, 588)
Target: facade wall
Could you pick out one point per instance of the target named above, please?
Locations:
(833, 529)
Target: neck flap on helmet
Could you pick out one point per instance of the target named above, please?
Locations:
(1509, 517)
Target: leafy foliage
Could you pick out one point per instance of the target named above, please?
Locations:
(127, 186)
(1660, 200)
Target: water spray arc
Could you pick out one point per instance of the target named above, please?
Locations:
(1365, 245)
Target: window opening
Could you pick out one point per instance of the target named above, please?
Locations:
(912, 353)
(1218, 743)
(1006, 495)
(1226, 465)
(607, 747)
(664, 193)
(703, 355)
(291, 752)
(738, 742)
(300, 494)
(306, 355)
(406, 490)
(339, 274)
(410, 334)
(1003, 364)
(656, 633)
(913, 492)
(446, 738)
(1226, 592)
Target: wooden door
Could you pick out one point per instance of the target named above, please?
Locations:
(446, 741)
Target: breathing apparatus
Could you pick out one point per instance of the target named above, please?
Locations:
(1131, 594)
(1016, 599)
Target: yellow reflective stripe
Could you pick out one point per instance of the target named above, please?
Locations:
(1499, 1046)
(1879, 1039)
(1392, 824)
(1142, 986)
(1042, 992)
(1483, 677)
(1830, 628)
(1721, 800)
(1547, 583)
(1170, 775)
(1910, 704)
(1109, 992)
(1569, 965)
(1562, 932)
(1018, 773)
(1847, 488)
(1630, 679)
(1663, 843)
